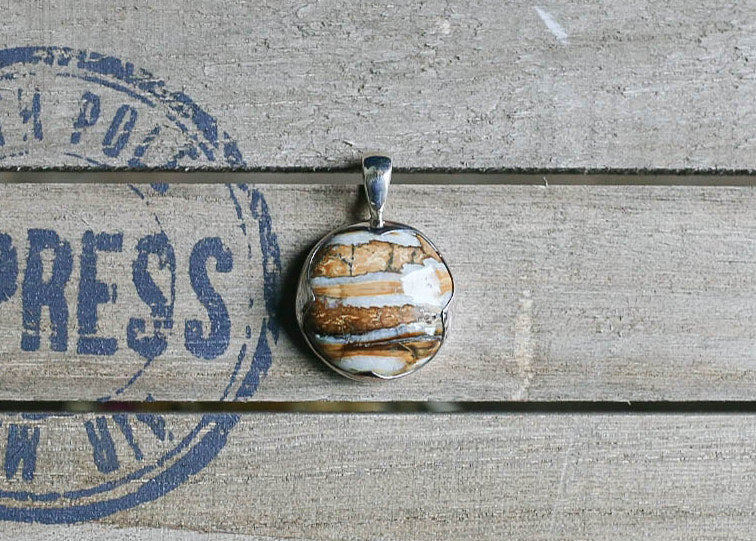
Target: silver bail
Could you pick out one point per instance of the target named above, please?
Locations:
(376, 170)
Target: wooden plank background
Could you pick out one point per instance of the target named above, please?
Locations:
(616, 292)
(564, 292)
(336, 476)
(467, 85)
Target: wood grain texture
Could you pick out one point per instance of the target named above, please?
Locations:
(468, 86)
(580, 293)
(444, 477)
(94, 531)
(563, 293)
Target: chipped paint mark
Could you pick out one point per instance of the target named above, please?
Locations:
(523, 344)
(552, 25)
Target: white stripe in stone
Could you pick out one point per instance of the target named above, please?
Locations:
(380, 301)
(384, 334)
(324, 281)
(423, 286)
(385, 366)
(420, 287)
(354, 238)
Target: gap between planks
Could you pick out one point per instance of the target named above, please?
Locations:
(574, 407)
(346, 177)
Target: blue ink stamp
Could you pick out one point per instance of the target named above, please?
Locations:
(124, 117)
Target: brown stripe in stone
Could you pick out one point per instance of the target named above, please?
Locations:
(445, 280)
(428, 249)
(358, 320)
(360, 289)
(339, 260)
(408, 351)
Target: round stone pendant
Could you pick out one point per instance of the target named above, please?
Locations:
(373, 297)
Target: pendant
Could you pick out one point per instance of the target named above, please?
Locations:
(373, 297)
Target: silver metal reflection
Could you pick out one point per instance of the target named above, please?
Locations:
(376, 172)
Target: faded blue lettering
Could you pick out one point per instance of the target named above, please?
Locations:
(217, 341)
(122, 421)
(21, 447)
(8, 268)
(2, 139)
(37, 293)
(30, 113)
(119, 131)
(103, 447)
(161, 307)
(93, 292)
(89, 114)
(271, 253)
(143, 147)
(156, 424)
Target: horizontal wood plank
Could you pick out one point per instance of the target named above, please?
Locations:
(563, 293)
(92, 531)
(428, 477)
(466, 86)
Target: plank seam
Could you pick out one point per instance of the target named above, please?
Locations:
(387, 407)
(350, 176)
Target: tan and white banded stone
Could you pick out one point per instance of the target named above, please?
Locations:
(373, 302)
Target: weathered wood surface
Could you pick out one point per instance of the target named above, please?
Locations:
(467, 85)
(564, 293)
(437, 477)
(580, 293)
(94, 531)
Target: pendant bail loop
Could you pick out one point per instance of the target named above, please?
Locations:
(376, 171)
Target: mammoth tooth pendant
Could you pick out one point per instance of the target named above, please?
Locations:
(373, 297)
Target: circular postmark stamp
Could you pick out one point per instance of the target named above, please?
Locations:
(82, 109)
